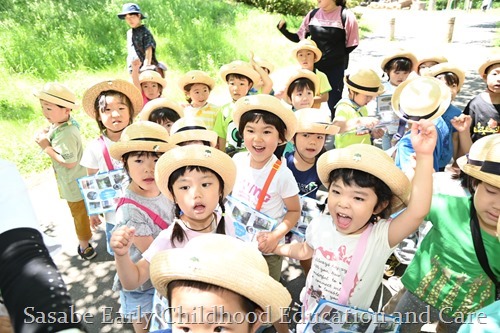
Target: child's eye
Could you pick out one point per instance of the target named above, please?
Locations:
(267, 132)
(219, 329)
(185, 329)
(137, 160)
(335, 191)
(183, 188)
(206, 184)
(320, 137)
(359, 199)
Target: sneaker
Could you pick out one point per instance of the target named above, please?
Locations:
(88, 253)
(390, 266)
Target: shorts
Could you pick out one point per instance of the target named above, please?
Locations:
(136, 304)
(274, 263)
(81, 220)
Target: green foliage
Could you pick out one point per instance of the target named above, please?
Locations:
(286, 7)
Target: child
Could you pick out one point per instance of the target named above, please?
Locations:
(447, 277)
(427, 61)
(484, 107)
(196, 179)
(240, 76)
(149, 82)
(307, 54)
(61, 141)
(264, 68)
(301, 88)
(351, 113)
(197, 86)
(264, 123)
(113, 104)
(189, 131)
(162, 111)
(142, 207)
(140, 41)
(350, 246)
(208, 282)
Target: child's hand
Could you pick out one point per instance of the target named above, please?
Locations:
(267, 242)
(423, 137)
(377, 133)
(95, 222)
(136, 64)
(462, 122)
(41, 139)
(121, 240)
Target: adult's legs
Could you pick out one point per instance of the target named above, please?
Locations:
(335, 77)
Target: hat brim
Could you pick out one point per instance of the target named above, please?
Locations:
(118, 149)
(317, 52)
(408, 55)
(302, 74)
(195, 155)
(270, 104)
(369, 159)
(122, 86)
(475, 171)
(161, 81)
(55, 100)
(490, 62)
(247, 71)
(446, 68)
(194, 77)
(318, 128)
(194, 135)
(359, 89)
(158, 103)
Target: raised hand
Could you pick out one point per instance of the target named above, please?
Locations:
(462, 122)
(423, 137)
(121, 240)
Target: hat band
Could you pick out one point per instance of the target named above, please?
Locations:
(474, 162)
(59, 97)
(188, 128)
(491, 167)
(357, 86)
(148, 139)
(417, 118)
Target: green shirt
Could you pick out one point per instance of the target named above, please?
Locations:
(346, 108)
(226, 129)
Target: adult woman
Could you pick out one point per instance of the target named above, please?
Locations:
(336, 33)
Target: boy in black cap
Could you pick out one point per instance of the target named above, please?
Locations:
(140, 41)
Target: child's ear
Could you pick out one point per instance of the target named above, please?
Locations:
(380, 207)
(255, 326)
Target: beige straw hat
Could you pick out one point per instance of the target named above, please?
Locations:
(369, 159)
(401, 54)
(191, 129)
(152, 76)
(195, 155)
(239, 67)
(301, 74)
(422, 97)
(431, 57)
(264, 63)
(446, 67)
(483, 160)
(307, 44)
(57, 94)
(226, 262)
(158, 103)
(492, 60)
(270, 104)
(125, 87)
(365, 81)
(141, 136)
(195, 76)
(316, 121)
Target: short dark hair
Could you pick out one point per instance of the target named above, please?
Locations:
(269, 118)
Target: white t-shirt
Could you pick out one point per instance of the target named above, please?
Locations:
(250, 181)
(333, 252)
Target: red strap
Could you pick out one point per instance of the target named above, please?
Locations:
(155, 217)
(105, 153)
(269, 179)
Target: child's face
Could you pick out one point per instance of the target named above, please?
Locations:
(199, 93)
(238, 88)
(54, 113)
(116, 114)
(133, 20)
(493, 79)
(397, 77)
(360, 99)
(309, 145)
(141, 169)
(306, 59)
(453, 87)
(197, 194)
(302, 99)
(151, 90)
(426, 64)
(351, 207)
(487, 204)
(200, 309)
(167, 124)
(261, 140)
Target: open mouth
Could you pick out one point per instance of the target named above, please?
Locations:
(343, 221)
(199, 208)
(259, 149)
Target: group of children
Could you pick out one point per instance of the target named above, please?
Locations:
(182, 162)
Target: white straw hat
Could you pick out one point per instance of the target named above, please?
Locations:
(158, 103)
(191, 129)
(316, 121)
(57, 94)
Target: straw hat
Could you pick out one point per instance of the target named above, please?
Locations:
(193, 77)
(195, 155)
(492, 60)
(428, 57)
(266, 103)
(483, 160)
(423, 97)
(369, 159)
(264, 63)
(191, 129)
(159, 103)
(307, 44)
(239, 67)
(57, 94)
(152, 76)
(316, 121)
(125, 87)
(446, 67)
(365, 81)
(401, 54)
(141, 136)
(301, 74)
(214, 259)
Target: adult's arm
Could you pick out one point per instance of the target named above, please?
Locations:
(294, 37)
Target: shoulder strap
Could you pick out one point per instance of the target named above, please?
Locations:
(313, 12)
(343, 16)
(269, 179)
(105, 153)
(155, 217)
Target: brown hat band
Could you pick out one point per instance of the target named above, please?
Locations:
(188, 128)
(59, 97)
(357, 86)
(474, 162)
(417, 118)
(491, 167)
(148, 139)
